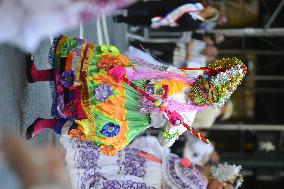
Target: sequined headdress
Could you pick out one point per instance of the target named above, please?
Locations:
(219, 81)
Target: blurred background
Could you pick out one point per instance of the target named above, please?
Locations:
(250, 129)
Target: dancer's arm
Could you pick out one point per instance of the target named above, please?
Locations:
(170, 134)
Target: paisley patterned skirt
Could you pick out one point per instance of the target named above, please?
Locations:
(83, 91)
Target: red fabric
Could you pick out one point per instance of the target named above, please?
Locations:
(40, 75)
(149, 157)
(74, 109)
(44, 124)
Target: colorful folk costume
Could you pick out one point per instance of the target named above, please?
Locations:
(144, 164)
(92, 102)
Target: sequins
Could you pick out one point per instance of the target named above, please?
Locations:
(218, 82)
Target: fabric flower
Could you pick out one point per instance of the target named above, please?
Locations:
(150, 89)
(110, 130)
(77, 134)
(108, 150)
(102, 92)
(108, 61)
(225, 172)
(67, 78)
(109, 49)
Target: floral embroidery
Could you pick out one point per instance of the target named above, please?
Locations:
(128, 184)
(67, 78)
(110, 130)
(102, 92)
(183, 177)
(132, 163)
(86, 155)
(85, 163)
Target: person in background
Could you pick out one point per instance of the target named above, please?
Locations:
(168, 15)
(196, 53)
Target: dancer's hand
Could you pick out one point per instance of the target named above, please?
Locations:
(175, 118)
(118, 72)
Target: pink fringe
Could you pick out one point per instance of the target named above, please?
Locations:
(173, 105)
(155, 74)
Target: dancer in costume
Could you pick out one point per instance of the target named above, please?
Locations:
(91, 99)
(144, 164)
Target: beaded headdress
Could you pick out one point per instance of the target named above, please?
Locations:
(228, 174)
(219, 80)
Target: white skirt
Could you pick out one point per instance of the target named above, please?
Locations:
(89, 168)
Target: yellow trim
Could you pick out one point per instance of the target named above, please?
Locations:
(86, 104)
(175, 87)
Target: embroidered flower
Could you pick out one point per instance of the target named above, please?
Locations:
(102, 92)
(110, 130)
(132, 163)
(67, 78)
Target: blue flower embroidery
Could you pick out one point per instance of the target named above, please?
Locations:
(110, 130)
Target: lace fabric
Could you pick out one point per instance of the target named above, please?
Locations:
(91, 169)
(180, 177)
